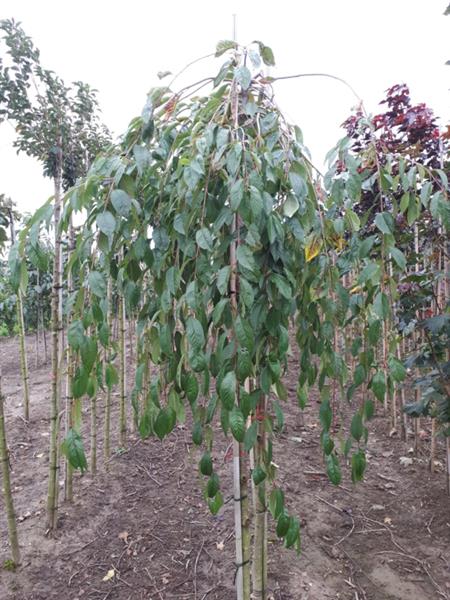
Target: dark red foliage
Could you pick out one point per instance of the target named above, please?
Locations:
(404, 128)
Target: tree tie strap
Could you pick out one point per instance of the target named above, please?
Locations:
(238, 566)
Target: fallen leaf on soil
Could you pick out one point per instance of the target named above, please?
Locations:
(123, 535)
(109, 575)
(220, 545)
(40, 455)
(388, 520)
(26, 515)
(405, 461)
(377, 507)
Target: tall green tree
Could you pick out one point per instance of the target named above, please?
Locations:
(59, 126)
(211, 221)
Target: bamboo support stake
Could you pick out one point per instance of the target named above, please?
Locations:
(7, 493)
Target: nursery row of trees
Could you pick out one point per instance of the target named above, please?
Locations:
(210, 233)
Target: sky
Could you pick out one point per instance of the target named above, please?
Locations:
(118, 48)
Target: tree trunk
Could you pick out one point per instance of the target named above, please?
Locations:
(21, 325)
(122, 375)
(259, 565)
(68, 479)
(240, 478)
(52, 497)
(7, 494)
(107, 429)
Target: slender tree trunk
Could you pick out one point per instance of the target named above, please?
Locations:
(404, 416)
(107, 430)
(447, 447)
(240, 478)
(259, 564)
(21, 325)
(122, 375)
(7, 493)
(68, 479)
(416, 339)
(52, 497)
(94, 435)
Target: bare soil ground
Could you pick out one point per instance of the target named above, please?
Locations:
(385, 539)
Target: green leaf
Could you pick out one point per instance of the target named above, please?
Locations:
(223, 277)
(258, 475)
(244, 364)
(378, 385)
(245, 257)
(106, 223)
(325, 415)
(223, 46)
(243, 76)
(399, 257)
(283, 525)
(212, 486)
(195, 334)
(227, 390)
(216, 504)
(121, 202)
(75, 334)
(88, 351)
(162, 424)
(97, 283)
(384, 222)
(267, 56)
(246, 293)
(251, 436)
(73, 449)
(327, 443)
(293, 532)
(191, 388)
(381, 305)
(111, 376)
(333, 469)
(79, 384)
(206, 466)
(276, 503)
(356, 427)
(279, 415)
(358, 466)
(244, 333)
(396, 369)
(369, 409)
(204, 239)
(197, 433)
(237, 424)
(282, 285)
(290, 206)
(236, 194)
